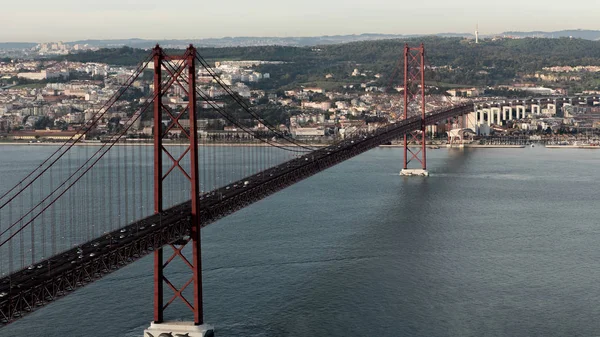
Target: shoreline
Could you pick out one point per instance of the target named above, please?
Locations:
(457, 146)
(495, 146)
(590, 147)
(429, 146)
(164, 144)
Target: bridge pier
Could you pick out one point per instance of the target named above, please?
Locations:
(187, 329)
(414, 172)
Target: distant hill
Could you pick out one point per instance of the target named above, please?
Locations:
(246, 41)
(461, 61)
(576, 33)
(17, 45)
(308, 41)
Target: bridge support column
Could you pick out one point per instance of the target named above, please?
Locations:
(506, 111)
(414, 100)
(520, 112)
(177, 71)
(187, 329)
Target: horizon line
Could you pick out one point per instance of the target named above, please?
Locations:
(305, 36)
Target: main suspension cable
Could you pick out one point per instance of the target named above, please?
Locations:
(243, 104)
(73, 139)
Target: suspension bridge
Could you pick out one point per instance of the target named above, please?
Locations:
(89, 210)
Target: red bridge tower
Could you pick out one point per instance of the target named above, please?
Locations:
(179, 71)
(414, 105)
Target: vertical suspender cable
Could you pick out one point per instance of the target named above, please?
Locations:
(43, 221)
(108, 182)
(119, 149)
(10, 245)
(126, 180)
(22, 253)
(32, 227)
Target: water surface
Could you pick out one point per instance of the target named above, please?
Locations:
(496, 242)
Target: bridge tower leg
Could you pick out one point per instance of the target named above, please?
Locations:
(168, 71)
(414, 105)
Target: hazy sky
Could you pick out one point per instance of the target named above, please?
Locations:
(68, 20)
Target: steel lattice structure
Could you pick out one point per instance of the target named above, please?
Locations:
(187, 68)
(414, 94)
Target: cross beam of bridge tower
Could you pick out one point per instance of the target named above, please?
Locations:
(414, 105)
(179, 71)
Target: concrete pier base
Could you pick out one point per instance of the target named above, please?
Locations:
(455, 145)
(414, 172)
(179, 329)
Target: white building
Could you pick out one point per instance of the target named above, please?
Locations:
(44, 75)
(308, 132)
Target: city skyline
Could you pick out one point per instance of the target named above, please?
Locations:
(69, 20)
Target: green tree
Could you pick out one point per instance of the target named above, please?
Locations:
(43, 123)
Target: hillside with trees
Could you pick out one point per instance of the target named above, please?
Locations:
(455, 61)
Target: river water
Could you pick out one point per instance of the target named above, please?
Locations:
(496, 242)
